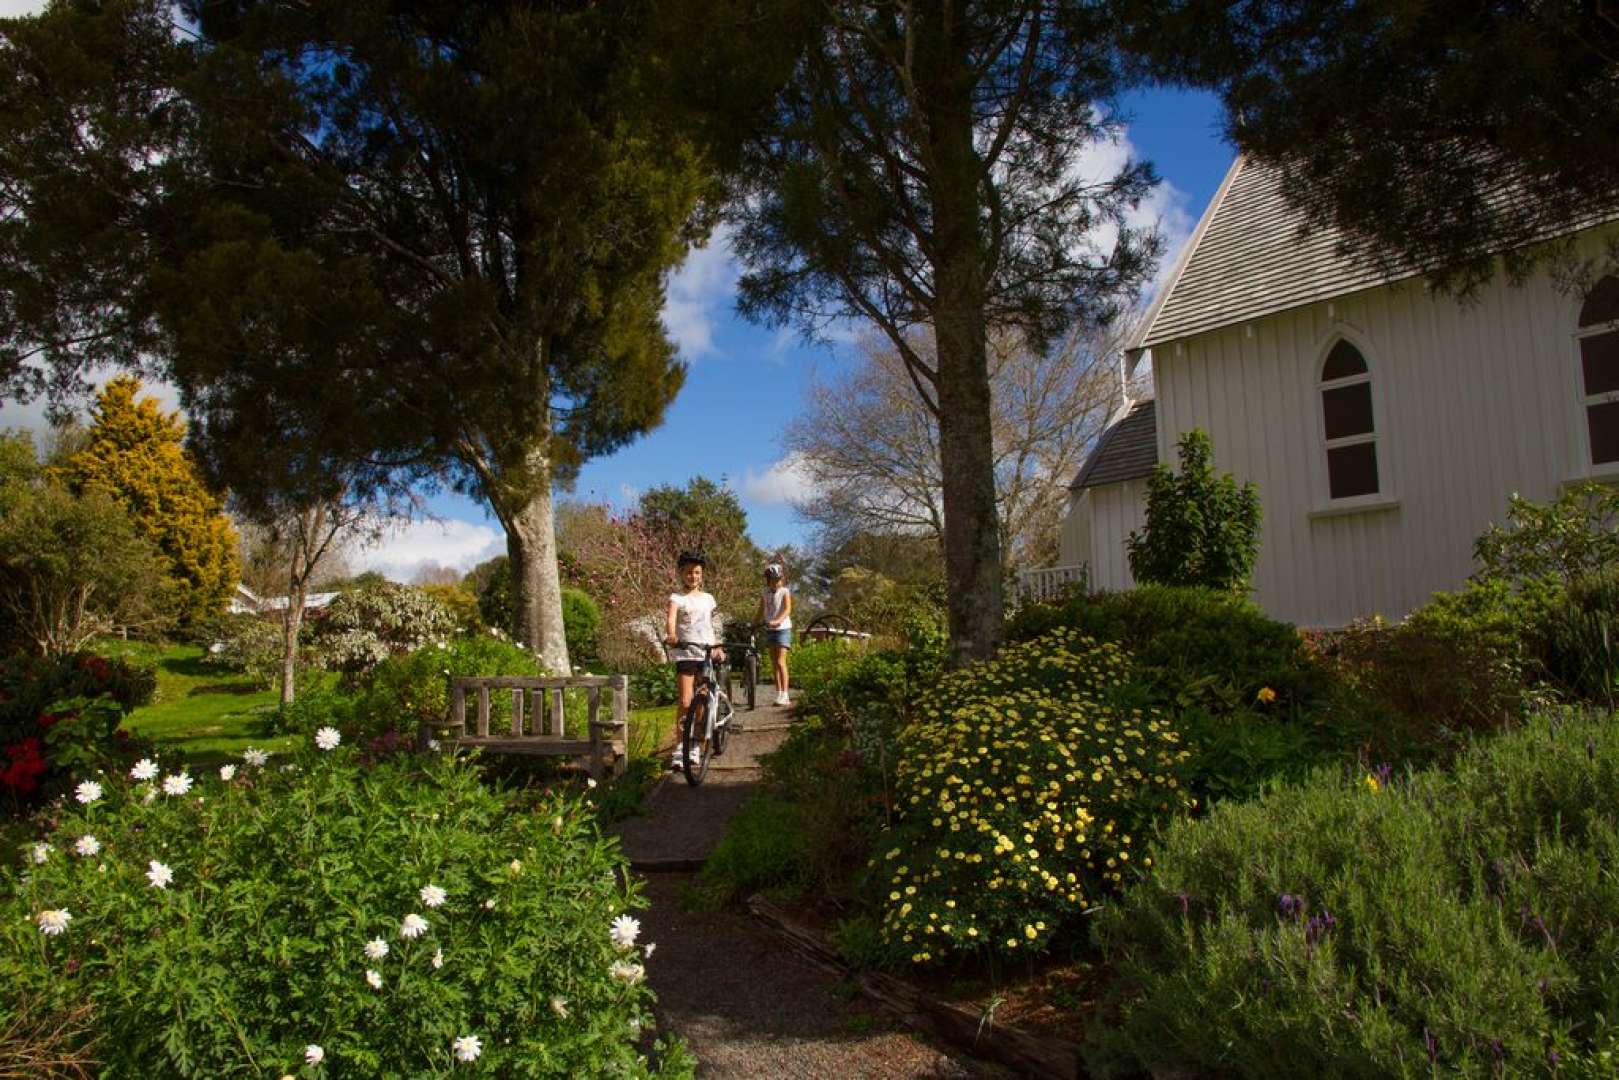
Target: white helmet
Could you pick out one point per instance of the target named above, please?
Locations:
(773, 570)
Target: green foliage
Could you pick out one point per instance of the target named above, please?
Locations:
(74, 567)
(136, 455)
(764, 848)
(653, 685)
(460, 602)
(28, 684)
(250, 644)
(60, 715)
(255, 949)
(1026, 789)
(1456, 922)
(1201, 529)
(1574, 535)
(404, 691)
(1191, 645)
(367, 624)
(492, 583)
(581, 620)
(1580, 639)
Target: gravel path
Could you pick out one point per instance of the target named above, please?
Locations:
(743, 1001)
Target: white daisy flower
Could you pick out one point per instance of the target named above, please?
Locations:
(145, 769)
(433, 745)
(376, 949)
(255, 757)
(624, 971)
(590, 782)
(432, 895)
(650, 947)
(438, 959)
(624, 931)
(313, 1054)
(227, 773)
(53, 921)
(489, 904)
(87, 792)
(159, 874)
(178, 784)
(374, 979)
(327, 738)
(41, 852)
(559, 1005)
(516, 866)
(467, 1048)
(87, 846)
(413, 927)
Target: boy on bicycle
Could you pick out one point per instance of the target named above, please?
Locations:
(688, 629)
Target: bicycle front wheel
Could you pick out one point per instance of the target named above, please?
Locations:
(694, 739)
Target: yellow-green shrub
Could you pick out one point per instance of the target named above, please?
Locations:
(1024, 790)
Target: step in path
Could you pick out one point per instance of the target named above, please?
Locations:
(745, 1004)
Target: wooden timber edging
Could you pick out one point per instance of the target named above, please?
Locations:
(1030, 1054)
(603, 743)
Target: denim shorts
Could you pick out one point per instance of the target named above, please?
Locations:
(784, 638)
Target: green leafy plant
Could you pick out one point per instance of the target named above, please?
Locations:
(366, 625)
(324, 919)
(581, 620)
(1575, 534)
(764, 848)
(1201, 528)
(404, 691)
(1025, 789)
(1580, 639)
(1452, 922)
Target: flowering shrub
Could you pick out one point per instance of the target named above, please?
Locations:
(62, 713)
(1444, 923)
(366, 625)
(251, 644)
(1024, 788)
(320, 919)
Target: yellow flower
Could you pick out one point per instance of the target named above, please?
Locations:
(1266, 695)
(1372, 783)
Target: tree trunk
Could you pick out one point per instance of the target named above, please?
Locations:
(291, 621)
(972, 541)
(531, 544)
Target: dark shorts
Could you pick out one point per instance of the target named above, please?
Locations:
(784, 638)
(688, 667)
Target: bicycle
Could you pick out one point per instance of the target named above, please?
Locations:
(707, 723)
(748, 653)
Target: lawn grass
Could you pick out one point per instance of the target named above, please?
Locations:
(205, 713)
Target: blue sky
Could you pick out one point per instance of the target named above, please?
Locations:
(745, 381)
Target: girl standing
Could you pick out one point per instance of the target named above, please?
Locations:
(776, 612)
(688, 629)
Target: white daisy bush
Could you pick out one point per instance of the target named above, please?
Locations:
(339, 919)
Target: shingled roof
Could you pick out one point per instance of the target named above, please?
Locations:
(1126, 451)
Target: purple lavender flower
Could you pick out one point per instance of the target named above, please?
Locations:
(1430, 1044)
(1319, 926)
(1289, 906)
(1383, 772)
(1553, 1058)
(1185, 900)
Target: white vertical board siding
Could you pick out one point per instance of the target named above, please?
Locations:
(1116, 510)
(1074, 545)
(1471, 402)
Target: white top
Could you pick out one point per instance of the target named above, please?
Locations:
(694, 621)
(775, 603)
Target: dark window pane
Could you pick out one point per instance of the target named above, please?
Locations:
(1352, 470)
(1603, 423)
(1602, 306)
(1599, 358)
(1348, 410)
(1344, 360)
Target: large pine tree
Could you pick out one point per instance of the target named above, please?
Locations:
(136, 456)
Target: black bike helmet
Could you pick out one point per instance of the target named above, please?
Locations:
(690, 558)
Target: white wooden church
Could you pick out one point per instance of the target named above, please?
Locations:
(1385, 425)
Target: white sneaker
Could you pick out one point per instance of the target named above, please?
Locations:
(782, 699)
(677, 760)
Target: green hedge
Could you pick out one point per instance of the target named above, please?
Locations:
(1453, 923)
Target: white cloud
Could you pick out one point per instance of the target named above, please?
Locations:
(407, 548)
(1166, 208)
(12, 9)
(700, 294)
(786, 482)
(31, 417)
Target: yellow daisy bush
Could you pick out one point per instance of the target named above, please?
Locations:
(1021, 789)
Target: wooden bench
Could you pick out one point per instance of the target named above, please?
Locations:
(603, 745)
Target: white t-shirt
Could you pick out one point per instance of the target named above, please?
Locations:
(775, 603)
(694, 621)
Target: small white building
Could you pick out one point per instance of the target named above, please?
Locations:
(1384, 425)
